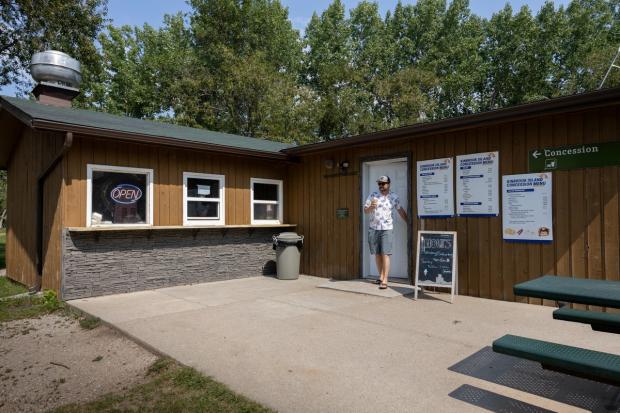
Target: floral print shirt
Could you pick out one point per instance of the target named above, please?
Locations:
(381, 217)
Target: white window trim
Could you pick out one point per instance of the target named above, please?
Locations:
(221, 220)
(122, 169)
(280, 201)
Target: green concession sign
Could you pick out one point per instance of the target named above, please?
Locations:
(587, 155)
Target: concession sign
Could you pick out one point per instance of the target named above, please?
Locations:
(587, 155)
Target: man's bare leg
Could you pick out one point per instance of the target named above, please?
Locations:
(379, 262)
(385, 267)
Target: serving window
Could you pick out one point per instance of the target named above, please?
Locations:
(119, 196)
(266, 198)
(203, 199)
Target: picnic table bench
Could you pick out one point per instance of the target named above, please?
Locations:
(594, 365)
(580, 362)
(606, 322)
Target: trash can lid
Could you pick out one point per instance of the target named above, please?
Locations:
(289, 236)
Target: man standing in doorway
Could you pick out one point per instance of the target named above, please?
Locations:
(380, 205)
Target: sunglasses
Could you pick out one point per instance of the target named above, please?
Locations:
(383, 183)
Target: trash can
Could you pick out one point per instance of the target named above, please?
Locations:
(288, 247)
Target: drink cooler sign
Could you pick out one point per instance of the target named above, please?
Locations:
(435, 188)
(527, 208)
(477, 184)
(436, 260)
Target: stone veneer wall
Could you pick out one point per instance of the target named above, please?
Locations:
(110, 262)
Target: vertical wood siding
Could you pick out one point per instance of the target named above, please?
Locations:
(586, 206)
(168, 166)
(65, 204)
(585, 201)
(33, 153)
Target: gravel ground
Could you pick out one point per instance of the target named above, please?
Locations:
(51, 361)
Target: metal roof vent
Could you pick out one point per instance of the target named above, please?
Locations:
(58, 76)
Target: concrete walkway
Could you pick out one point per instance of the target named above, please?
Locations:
(298, 348)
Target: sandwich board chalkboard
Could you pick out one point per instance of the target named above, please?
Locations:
(436, 261)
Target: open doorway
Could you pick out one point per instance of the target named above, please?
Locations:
(398, 171)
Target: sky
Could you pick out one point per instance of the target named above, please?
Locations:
(138, 12)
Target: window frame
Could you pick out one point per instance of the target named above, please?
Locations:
(279, 202)
(90, 168)
(221, 220)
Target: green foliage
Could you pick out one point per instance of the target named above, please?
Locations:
(89, 322)
(170, 388)
(33, 26)
(9, 288)
(160, 365)
(50, 301)
(23, 307)
(239, 66)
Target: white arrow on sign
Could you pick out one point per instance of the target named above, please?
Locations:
(536, 154)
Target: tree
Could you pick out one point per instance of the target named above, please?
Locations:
(455, 60)
(246, 54)
(244, 27)
(328, 70)
(508, 57)
(238, 65)
(408, 97)
(141, 66)
(30, 26)
(589, 43)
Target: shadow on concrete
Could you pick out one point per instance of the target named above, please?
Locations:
(368, 287)
(493, 402)
(433, 295)
(530, 377)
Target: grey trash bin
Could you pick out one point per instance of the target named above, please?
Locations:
(288, 247)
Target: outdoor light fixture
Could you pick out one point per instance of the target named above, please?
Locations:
(339, 168)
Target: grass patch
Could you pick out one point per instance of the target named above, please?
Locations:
(89, 323)
(170, 388)
(9, 288)
(28, 307)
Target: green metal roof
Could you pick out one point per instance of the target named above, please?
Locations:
(91, 119)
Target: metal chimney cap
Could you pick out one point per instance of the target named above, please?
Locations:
(56, 66)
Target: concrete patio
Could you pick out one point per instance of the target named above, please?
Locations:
(298, 348)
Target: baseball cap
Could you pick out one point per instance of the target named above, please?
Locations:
(383, 178)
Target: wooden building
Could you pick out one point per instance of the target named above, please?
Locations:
(193, 206)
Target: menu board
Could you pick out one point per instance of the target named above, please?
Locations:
(477, 184)
(527, 213)
(436, 260)
(435, 188)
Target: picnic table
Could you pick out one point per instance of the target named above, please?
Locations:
(574, 290)
(594, 365)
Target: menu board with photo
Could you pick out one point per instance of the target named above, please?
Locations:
(477, 184)
(527, 213)
(435, 188)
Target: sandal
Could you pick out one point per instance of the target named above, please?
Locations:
(383, 286)
(376, 282)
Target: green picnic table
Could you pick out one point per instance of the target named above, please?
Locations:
(574, 290)
(594, 365)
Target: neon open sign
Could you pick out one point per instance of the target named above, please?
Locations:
(126, 194)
